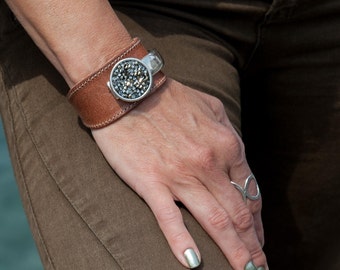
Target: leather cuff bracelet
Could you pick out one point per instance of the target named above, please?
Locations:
(118, 87)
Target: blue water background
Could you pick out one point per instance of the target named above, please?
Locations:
(17, 249)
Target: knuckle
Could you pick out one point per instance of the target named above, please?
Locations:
(238, 253)
(178, 238)
(219, 219)
(258, 254)
(244, 220)
(234, 144)
(217, 103)
(167, 215)
(204, 158)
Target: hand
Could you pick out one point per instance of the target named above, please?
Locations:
(178, 145)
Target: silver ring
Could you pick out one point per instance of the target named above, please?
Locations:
(244, 190)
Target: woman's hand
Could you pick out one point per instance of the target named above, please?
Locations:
(178, 145)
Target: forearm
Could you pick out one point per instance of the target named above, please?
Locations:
(77, 36)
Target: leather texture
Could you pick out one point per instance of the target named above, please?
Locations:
(92, 98)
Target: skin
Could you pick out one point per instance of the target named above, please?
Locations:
(192, 155)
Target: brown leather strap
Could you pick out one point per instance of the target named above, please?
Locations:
(93, 100)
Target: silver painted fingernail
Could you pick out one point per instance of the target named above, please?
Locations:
(192, 258)
(250, 266)
(261, 268)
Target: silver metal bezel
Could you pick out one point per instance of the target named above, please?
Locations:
(113, 88)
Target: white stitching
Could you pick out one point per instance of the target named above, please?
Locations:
(136, 42)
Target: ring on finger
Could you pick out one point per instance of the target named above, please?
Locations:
(245, 190)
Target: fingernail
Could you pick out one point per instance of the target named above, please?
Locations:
(261, 268)
(191, 258)
(250, 266)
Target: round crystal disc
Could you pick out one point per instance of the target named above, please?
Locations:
(130, 80)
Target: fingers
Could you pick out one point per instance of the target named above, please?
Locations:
(213, 218)
(250, 209)
(241, 174)
(240, 214)
(247, 182)
(171, 223)
(218, 224)
(191, 157)
(235, 216)
(232, 223)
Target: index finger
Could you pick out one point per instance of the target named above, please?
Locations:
(169, 218)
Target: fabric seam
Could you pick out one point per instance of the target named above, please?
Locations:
(51, 175)
(31, 208)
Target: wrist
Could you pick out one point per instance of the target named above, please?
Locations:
(78, 64)
(76, 36)
(86, 54)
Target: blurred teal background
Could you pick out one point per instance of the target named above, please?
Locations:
(17, 249)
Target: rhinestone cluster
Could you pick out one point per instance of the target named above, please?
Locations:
(130, 79)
